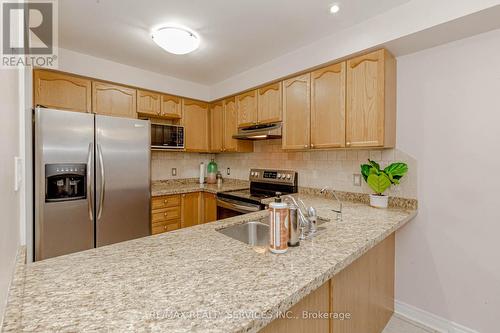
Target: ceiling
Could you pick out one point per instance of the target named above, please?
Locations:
(236, 35)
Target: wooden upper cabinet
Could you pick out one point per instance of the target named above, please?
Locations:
(371, 100)
(216, 127)
(171, 107)
(148, 103)
(269, 104)
(296, 112)
(62, 91)
(231, 128)
(230, 124)
(328, 106)
(113, 100)
(247, 108)
(196, 121)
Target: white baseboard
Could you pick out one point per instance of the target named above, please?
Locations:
(427, 319)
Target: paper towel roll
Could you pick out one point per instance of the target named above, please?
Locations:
(202, 173)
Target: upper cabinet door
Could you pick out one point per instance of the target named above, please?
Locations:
(296, 112)
(62, 91)
(171, 107)
(113, 100)
(371, 107)
(269, 103)
(148, 102)
(216, 127)
(247, 108)
(328, 106)
(195, 119)
(230, 124)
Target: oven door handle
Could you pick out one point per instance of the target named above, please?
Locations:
(236, 207)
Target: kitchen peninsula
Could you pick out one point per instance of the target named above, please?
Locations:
(141, 285)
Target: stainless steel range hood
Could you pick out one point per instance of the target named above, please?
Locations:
(260, 132)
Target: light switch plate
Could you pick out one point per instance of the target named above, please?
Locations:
(174, 172)
(356, 179)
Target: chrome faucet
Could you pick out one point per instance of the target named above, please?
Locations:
(338, 211)
(307, 221)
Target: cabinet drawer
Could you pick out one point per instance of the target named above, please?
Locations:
(167, 201)
(164, 226)
(166, 214)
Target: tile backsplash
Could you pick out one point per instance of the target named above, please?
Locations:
(187, 164)
(316, 169)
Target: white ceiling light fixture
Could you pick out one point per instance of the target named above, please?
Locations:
(335, 8)
(176, 40)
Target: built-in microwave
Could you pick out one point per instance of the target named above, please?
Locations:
(165, 136)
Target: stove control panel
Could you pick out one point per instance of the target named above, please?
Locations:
(273, 176)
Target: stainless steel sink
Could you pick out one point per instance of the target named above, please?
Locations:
(253, 233)
(256, 233)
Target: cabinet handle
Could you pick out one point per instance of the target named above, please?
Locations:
(165, 201)
(165, 214)
(312, 145)
(164, 227)
(306, 146)
(348, 143)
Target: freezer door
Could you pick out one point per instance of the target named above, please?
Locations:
(64, 157)
(122, 179)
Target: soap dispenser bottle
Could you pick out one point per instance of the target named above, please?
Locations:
(278, 225)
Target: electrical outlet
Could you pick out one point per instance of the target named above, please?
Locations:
(174, 172)
(228, 171)
(356, 179)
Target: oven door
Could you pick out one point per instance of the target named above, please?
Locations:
(229, 208)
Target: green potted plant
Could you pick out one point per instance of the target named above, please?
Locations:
(380, 180)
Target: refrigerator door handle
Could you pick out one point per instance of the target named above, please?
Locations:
(103, 181)
(89, 182)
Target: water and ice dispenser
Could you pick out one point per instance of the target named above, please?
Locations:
(65, 182)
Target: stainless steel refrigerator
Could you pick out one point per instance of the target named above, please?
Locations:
(92, 181)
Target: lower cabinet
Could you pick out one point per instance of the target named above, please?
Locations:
(190, 206)
(165, 214)
(172, 212)
(209, 207)
(358, 299)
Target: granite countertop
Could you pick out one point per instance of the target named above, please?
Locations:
(167, 187)
(190, 280)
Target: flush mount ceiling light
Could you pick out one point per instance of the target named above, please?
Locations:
(334, 9)
(176, 40)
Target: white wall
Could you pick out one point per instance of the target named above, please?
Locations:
(78, 63)
(449, 119)
(9, 200)
(410, 18)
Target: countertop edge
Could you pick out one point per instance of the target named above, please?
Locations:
(12, 313)
(290, 301)
(12, 316)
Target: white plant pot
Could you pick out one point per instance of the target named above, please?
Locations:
(379, 201)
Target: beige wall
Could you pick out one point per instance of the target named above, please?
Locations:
(449, 119)
(320, 168)
(9, 200)
(83, 64)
